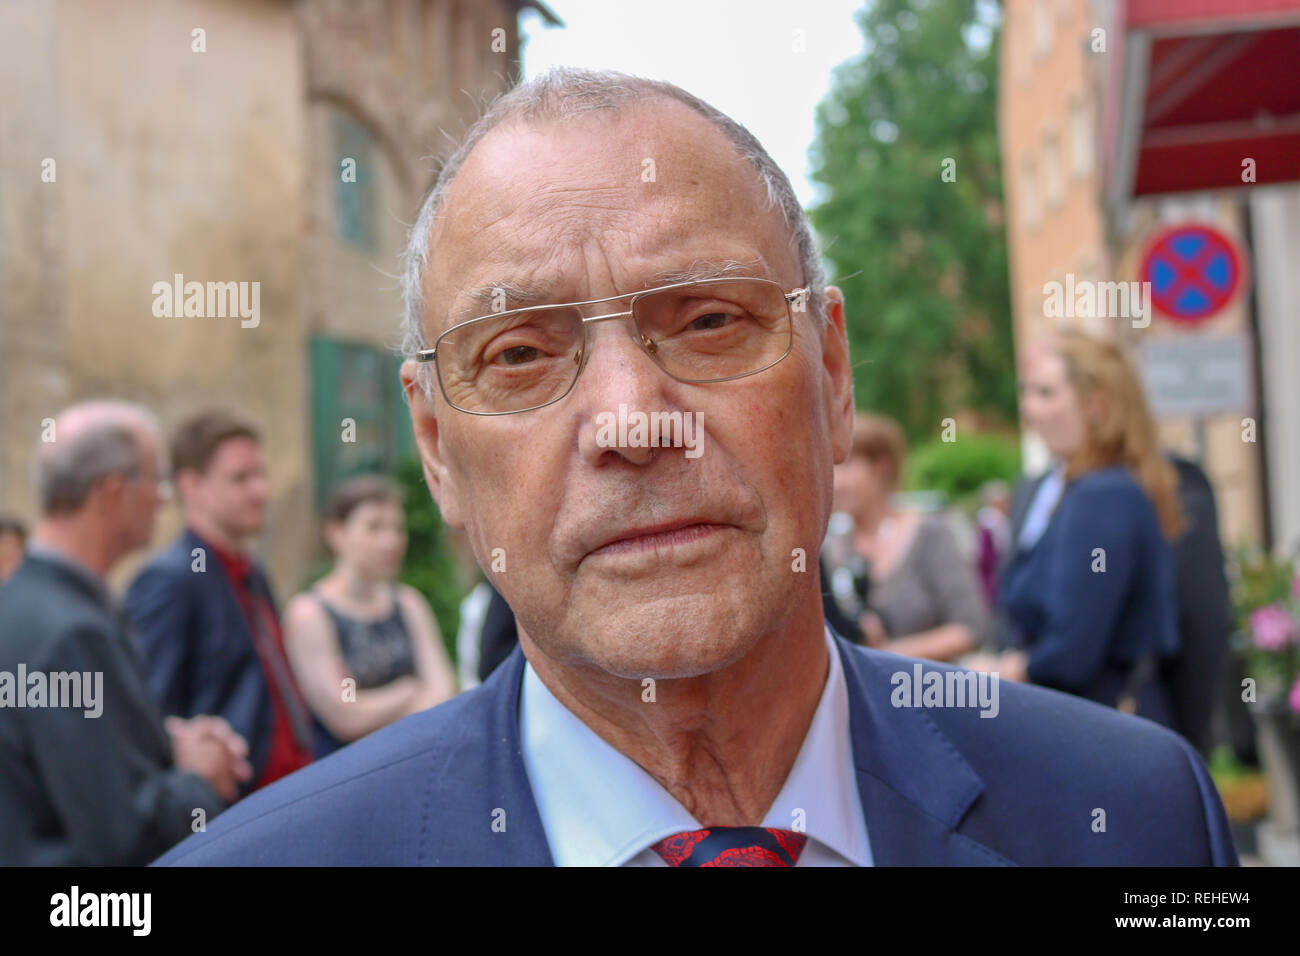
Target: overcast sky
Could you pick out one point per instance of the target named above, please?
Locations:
(740, 57)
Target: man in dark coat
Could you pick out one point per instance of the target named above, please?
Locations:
(89, 773)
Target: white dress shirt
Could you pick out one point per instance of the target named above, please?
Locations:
(599, 808)
(1039, 513)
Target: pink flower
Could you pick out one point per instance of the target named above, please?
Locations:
(1271, 627)
(1294, 698)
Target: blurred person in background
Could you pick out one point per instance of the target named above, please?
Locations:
(993, 533)
(1090, 591)
(487, 634)
(358, 624)
(924, 599)
(13, 541)
(206, 614)
(1205, 623)
(105, 781)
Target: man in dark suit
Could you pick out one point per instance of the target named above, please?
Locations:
(208, 625)
(676, 698)
(1204, 603)
(89, 774)
(1204, 608)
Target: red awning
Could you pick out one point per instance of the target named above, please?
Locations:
(1199, 86)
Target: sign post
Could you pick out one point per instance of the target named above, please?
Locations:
(1195, 272)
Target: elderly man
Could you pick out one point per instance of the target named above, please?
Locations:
(601, 244)
(89, 772)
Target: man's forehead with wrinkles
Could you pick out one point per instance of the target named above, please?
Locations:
(533, 203)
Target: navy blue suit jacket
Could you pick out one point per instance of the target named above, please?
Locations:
(1084, 622)
(197, 645)
(938, 786)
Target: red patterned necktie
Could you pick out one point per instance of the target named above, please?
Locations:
(732, 846)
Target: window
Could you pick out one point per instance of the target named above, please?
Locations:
(1052, 186)
(1042, 27)
(1080, 139)
(1029, 192)
(1035, 312)
(359, 418)
(354, 158)
(1088, 267)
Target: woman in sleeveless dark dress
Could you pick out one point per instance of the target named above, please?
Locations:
(365, 649)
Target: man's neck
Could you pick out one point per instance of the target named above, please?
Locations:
(723, 743)
(214, 534)
(78, 541)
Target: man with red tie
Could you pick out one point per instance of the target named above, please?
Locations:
(676, 698)
(204, 610)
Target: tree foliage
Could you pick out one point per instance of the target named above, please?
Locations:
(927, 304)
(430, 566)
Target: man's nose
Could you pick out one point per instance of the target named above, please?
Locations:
(618, 372)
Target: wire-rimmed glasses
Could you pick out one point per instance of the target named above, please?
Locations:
(699, 332)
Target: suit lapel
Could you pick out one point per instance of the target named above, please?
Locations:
(914, 784)
(485, 786)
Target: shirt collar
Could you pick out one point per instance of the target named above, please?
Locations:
(599, 808)
(92, 581)
(237, 564)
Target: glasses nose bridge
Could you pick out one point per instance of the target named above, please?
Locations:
(639, 341)
(589, 319)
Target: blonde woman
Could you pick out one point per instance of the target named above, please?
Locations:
(1091, 591)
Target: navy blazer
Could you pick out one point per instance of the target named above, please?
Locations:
(1096, 593)
(938, 786)
(197, 645)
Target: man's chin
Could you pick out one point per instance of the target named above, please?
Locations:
(669, 638)
(251, 529)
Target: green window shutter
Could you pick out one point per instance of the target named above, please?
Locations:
(355, 201)
(325, 416)
(356, 395)
(403, 439)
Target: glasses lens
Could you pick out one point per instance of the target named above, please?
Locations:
(511, 363)
(717, 329)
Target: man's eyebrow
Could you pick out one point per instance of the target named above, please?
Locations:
(481, 299)
(488, 298)
(707, 269)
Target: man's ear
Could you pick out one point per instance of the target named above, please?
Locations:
(109, 493)
(330, 531)
(183, 483)
(837, 379)
(424, 423)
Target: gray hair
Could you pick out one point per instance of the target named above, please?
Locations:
(98, 439)
(565, 92)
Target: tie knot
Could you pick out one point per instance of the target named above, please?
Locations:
(732, 846)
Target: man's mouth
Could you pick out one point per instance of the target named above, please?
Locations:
(651, 537)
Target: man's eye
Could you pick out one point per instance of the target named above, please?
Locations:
(503, 353)
(518, 355)
(710, 320)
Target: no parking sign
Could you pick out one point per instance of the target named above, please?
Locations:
(1195, 271)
